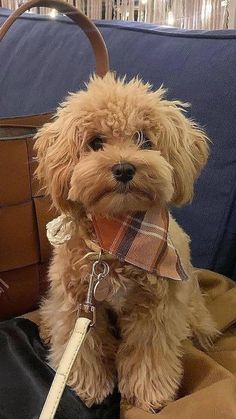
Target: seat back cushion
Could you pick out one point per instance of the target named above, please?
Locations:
(42, 59)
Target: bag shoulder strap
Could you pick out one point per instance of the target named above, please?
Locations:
(28, 121)
(90, 30)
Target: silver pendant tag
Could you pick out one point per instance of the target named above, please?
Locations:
(101, 290)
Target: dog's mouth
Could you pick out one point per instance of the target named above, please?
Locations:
(125, 190)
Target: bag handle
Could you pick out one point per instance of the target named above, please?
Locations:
(90, 30)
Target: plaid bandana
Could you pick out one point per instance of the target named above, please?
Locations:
(142, 240)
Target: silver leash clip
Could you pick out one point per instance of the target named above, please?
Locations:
(100, 270)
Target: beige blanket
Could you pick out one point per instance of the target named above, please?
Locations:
(209, 384)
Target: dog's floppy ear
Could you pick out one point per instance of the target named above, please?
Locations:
(185, 146)
(57, 153)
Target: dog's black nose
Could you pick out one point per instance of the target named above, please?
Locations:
(123, 172)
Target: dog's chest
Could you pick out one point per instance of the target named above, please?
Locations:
(123, 284)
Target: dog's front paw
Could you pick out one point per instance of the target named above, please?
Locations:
(94, 390)
(151, 406)
(150, 389)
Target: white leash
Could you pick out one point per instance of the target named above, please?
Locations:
(86, 319)
(58, 385)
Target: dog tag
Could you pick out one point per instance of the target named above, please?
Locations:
(101, 290)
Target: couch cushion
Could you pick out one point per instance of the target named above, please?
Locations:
(42, 59)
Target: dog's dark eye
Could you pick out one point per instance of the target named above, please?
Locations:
(146, 144)
(142, 141)
(96, 143)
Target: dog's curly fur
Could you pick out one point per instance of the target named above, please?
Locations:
(153, 319)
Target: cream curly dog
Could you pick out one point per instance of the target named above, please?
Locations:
(113, 122)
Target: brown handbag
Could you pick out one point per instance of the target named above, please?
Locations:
(24, 212)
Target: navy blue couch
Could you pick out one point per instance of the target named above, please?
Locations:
(42, 59)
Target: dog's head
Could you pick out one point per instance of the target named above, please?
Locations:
(119, 147)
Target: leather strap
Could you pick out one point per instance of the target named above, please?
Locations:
(53, 398)
(92, 33)
(29, 121)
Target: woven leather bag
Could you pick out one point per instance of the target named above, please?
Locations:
(24, 212)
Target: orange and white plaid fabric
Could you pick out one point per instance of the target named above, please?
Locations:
(142, 240)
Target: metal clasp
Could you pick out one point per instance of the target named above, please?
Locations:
(100, 270)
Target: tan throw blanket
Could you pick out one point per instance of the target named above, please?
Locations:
(208, 389)
(209, 384)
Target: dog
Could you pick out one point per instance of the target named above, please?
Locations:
(160, 152)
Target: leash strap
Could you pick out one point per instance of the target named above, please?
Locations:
(86, 319)
(58, 385)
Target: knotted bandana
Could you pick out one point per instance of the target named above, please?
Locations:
(142, 240)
